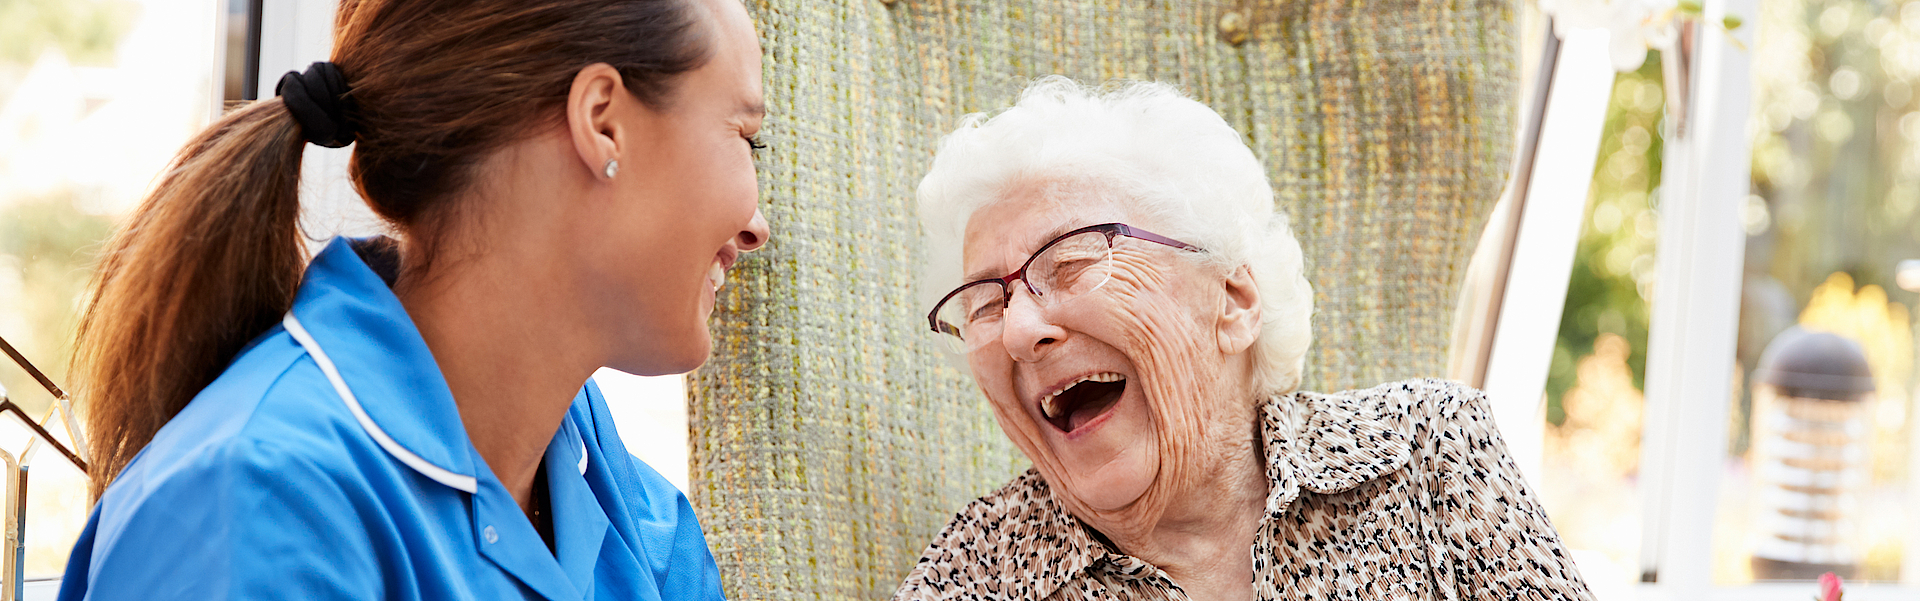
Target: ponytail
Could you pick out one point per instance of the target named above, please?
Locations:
(210, 259)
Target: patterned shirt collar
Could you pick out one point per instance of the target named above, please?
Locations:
(1321, 443)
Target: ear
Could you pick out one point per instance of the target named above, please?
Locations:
(1239, 324)
(592, 102)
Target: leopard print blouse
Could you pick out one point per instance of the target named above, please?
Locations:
(1403, 491)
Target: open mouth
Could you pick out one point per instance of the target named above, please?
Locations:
(717, 271)
(1083, 400)
(716, 275)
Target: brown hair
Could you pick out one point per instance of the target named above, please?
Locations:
(212, 257)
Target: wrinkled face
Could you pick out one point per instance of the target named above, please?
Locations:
(1098, 390)
(690, 199)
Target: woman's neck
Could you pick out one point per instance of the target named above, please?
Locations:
(512, 355)
(503, 307)
(1203, 539)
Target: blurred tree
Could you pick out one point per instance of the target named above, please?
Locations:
(49, 237)
(44, 265)
(1835, 172)
(46, 256)
(86, 30)
(1613, 265)
(1836, 191)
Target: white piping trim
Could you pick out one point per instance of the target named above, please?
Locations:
(437, 473)
(583, 456)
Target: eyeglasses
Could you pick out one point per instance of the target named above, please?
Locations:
(1073, 264)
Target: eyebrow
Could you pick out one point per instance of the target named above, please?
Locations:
(1051, 234)
(976, 276)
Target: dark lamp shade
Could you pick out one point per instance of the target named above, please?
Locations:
(1815, 365)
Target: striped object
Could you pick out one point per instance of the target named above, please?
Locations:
(830, 442)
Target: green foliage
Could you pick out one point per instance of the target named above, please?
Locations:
(50, 232)
(1613, 264)
(44, 266)
(86, 30)
(48, 244)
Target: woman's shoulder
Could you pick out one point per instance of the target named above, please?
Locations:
(1406, 404)
(1336, 441)
(265, 479)
(242, 494)
(272, 413)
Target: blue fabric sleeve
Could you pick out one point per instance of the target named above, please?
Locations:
(245, 522)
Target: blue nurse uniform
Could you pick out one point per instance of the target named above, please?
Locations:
(329, 462)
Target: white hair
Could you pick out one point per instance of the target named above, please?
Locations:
(1161, 155)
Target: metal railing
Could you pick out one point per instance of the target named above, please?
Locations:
(13, 570)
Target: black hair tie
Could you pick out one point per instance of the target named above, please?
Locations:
(319, 102)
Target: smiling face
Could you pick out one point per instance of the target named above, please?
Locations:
(686, 200)
(1110, 393)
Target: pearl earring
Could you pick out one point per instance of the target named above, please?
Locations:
(613, 167)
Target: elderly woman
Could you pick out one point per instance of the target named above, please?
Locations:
(1135, 311)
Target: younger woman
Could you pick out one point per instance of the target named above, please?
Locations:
(411, 418)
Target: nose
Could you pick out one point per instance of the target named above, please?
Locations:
(756, 234)
(1026, 331)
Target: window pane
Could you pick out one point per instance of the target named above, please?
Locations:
(1818, 473)
(1591, 452)
(95, 97)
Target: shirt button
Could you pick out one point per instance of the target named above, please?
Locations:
(490, 534)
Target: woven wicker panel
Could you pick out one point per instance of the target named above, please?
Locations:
(831, 443)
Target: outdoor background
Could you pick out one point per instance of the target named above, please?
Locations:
(96, 95)
(1832, 210)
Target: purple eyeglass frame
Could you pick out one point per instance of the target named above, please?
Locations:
(1006, 281)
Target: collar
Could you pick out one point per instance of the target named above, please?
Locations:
(1324, 443)
(503, 535)
(353, 327)
(1331, 443)
(356, 331)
